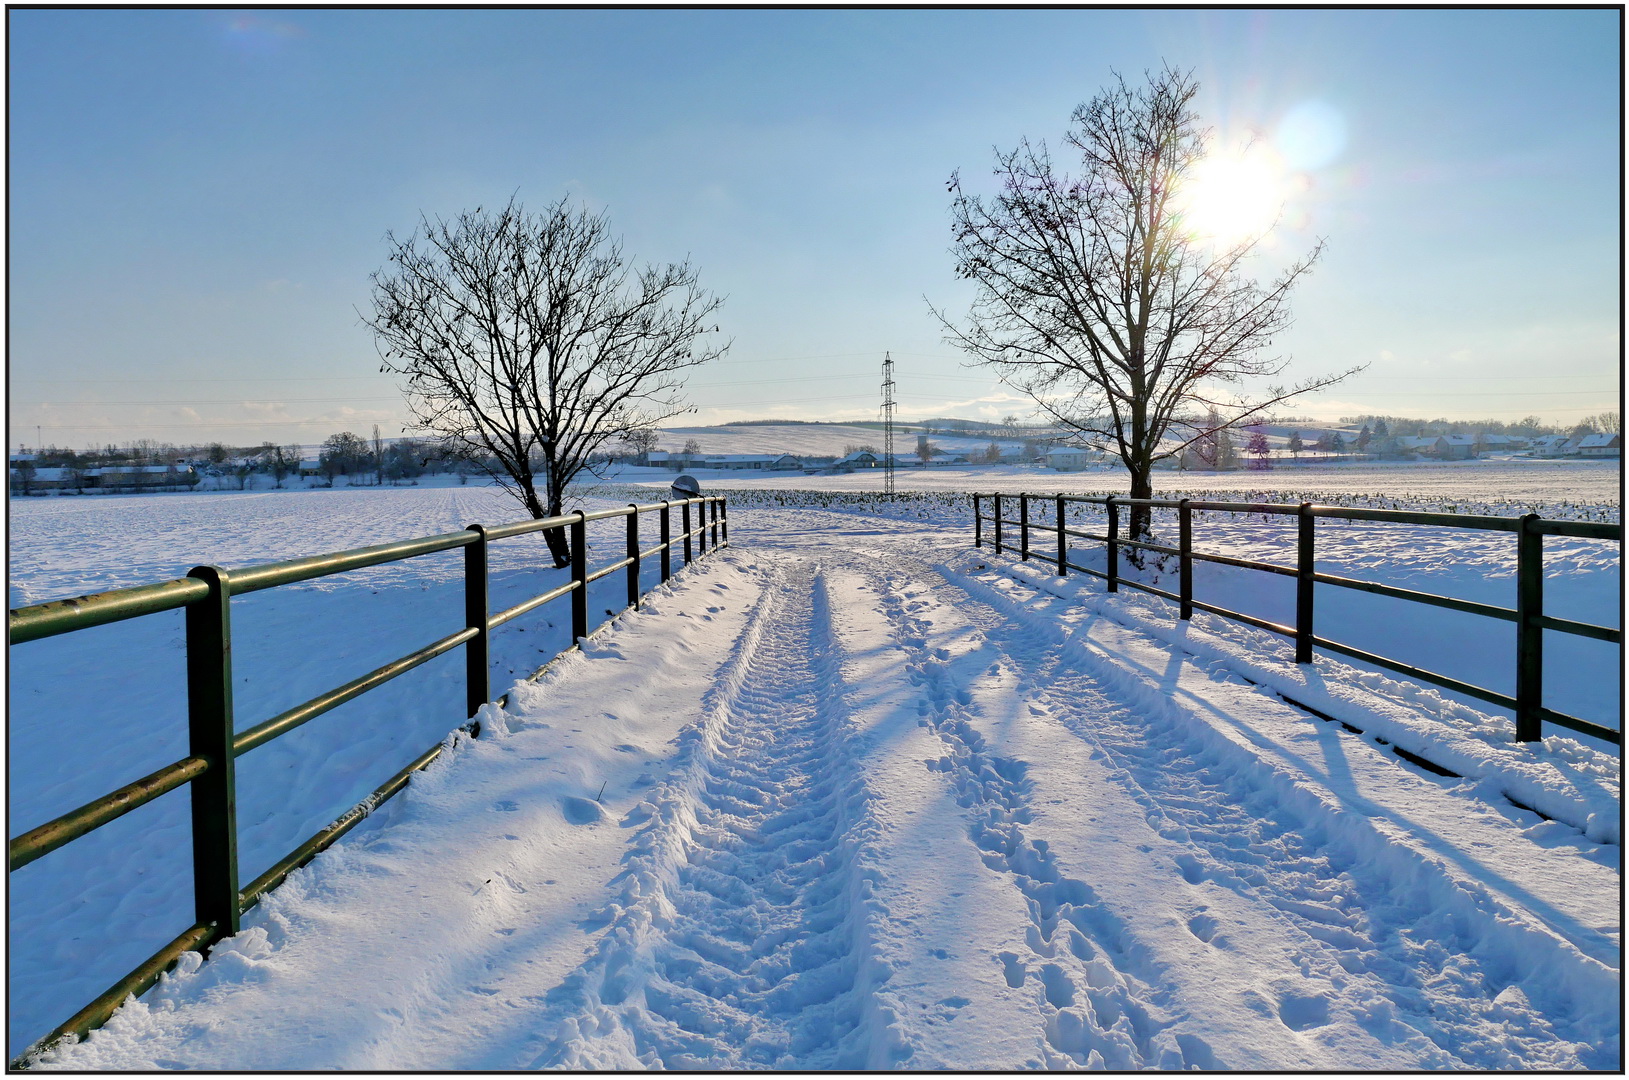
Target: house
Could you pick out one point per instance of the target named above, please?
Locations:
(751, 462)
(1407, 446)
(140, 476)
(43, 479)
(310, 468)
(1550, 446)
(1600, 446)
(1500, 443)
(1068, 458)
(1455, 447)
(859, 459)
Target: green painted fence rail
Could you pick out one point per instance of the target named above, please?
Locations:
(215, 743)
(1528, 614)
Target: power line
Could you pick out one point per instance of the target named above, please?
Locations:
(189, 379)
(210, 401)
(190, 425)
(1510, 393)
(1478, 378)
(743, 382)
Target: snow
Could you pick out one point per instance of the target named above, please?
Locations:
(824, 440)
(847, 794)
(1512, 482)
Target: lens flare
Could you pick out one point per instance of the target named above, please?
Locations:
(1227, 198)
(1311, 135)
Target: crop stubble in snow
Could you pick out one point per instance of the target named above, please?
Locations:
(922, 814)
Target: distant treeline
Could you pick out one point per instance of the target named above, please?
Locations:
(341, 454)
(1606, 423)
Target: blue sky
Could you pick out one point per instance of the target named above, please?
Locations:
(198, 197)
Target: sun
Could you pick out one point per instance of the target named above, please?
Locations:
(1228, 198)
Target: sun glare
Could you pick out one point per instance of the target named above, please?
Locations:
(1228, 198)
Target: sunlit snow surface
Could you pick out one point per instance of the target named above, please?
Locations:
(871, 799)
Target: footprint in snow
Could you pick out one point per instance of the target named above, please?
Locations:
(1302, 1011)
(1203, 926)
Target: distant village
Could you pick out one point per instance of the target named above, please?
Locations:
(152, 466)
(1222, 451)
(148, 465)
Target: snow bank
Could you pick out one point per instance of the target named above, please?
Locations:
(953, 771)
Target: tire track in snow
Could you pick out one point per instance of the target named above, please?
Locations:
(738, 940)
(1097, 982)
(1406, 951)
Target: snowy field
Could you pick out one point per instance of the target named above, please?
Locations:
(1512, 483)
(869, 798)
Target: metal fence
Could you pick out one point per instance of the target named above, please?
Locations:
(215, 743)
(1528, 614)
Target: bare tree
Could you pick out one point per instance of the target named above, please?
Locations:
(24, 471)
(640, 443)
(1606, 423)
(1095, 299)
(528, 341)
(342, 454)
(1257, 451)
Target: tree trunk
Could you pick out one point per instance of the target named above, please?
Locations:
(1142, 487)
(557, 539)
(1138, 527)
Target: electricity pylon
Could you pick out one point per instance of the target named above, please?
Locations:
(888, 423)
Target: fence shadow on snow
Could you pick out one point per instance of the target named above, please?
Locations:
(1528, 614)
(215, 743)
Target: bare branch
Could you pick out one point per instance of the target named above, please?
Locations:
(530, 342)
(1091, 296)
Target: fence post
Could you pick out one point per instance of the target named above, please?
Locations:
(1529, 634)
(997, 521)
(1023, 525)
(978, 523)
(667, 541)
(685, 521)
(716, 502)
(724, 520)
(1304, 556)
(1185, 546)
(633, 553)
(1063, 541)
(579, 574)
(209, 729)
(1114, 543)
(478, 689)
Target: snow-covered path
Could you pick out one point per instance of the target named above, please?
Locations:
(849, 795)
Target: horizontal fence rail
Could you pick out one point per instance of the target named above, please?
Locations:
(205, 594)
(1528, 614)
